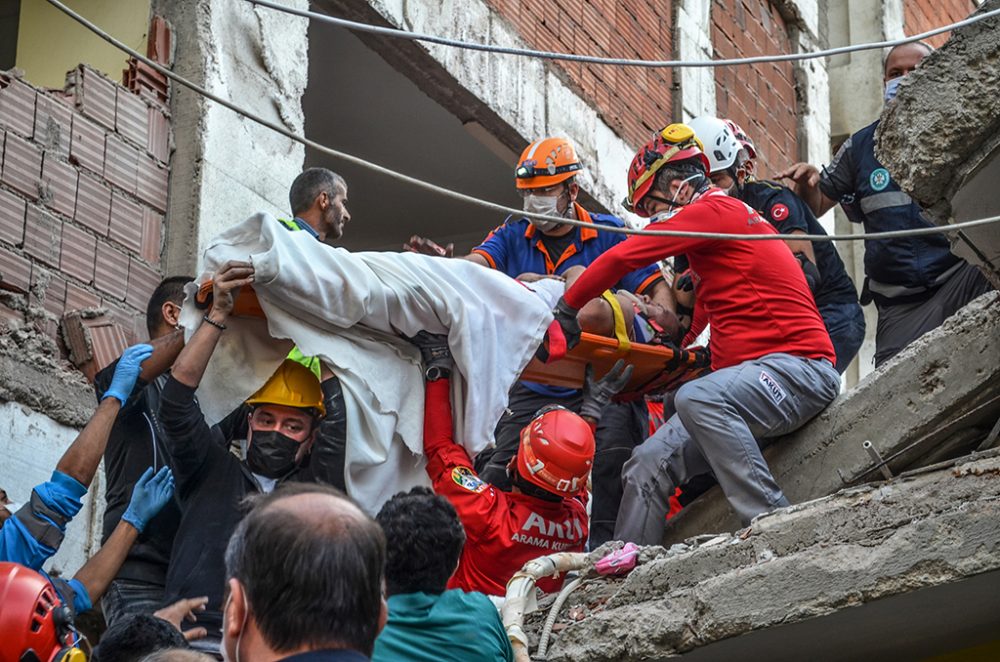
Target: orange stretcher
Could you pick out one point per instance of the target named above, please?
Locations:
(245, 305)
(658, 368)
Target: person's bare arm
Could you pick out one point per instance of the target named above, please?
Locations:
(804, 180)
(190, 365)
(81, 459)
(97, 573)
(165, 351)
(425, 246)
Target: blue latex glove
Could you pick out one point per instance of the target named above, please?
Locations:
(127, 371)
(151, 493)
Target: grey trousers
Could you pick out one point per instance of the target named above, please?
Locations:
(719, 420)
(901, 324)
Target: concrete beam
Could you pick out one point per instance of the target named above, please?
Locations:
(941, 138)
(824, 571)
(945, 382)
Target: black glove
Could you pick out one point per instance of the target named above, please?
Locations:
(597, 395)
(435, 354)
(813, 278)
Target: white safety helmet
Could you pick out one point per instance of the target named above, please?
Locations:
(721, 146)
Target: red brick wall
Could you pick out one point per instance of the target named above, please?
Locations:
(634, 102)
(83, 190)
(760, 98)
(923, 15)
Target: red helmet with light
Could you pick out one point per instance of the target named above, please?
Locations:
(674, 144)
(557, 452)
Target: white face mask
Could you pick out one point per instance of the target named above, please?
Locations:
(674, 209)
(542, 204)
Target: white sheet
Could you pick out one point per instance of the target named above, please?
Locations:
(349, 309)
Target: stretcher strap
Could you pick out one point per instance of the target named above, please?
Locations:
(621, 333)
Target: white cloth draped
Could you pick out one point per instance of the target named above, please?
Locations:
(350, 309)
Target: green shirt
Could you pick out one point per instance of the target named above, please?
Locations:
(454, 625)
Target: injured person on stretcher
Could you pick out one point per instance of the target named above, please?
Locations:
(638, 316)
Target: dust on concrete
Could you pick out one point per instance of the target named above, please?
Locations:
(809, 560)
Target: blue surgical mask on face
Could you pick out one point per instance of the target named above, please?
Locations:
(891, 87)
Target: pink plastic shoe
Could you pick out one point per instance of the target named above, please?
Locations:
(619, 562)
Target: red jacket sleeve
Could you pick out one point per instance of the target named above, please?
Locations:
(638, 251)
(450, 467)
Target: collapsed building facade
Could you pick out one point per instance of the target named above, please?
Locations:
(112, 179)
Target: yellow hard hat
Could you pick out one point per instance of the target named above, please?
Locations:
(291, 385)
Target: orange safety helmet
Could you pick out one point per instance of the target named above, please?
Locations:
(545, 163)
(291, 385)
(673, 144)
(557, 452)
(36, 626)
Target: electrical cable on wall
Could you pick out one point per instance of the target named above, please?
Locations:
(397, 33)
(462, 197)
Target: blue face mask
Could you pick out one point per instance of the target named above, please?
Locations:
(891, 87)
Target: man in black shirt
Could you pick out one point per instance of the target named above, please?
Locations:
(134, 444)
(287, 439)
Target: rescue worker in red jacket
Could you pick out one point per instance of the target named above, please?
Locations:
(545, 511)
(772, 359)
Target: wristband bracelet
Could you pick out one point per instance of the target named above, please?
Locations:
(218, 325)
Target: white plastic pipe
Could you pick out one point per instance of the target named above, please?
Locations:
(521, 594)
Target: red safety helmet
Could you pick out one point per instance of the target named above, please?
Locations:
(673, 144)
(36, 626)
(545, 163)
(556, 452)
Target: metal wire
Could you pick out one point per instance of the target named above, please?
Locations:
(462, 197)
(397, 33)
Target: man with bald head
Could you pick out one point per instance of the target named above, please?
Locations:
(304, 579)
(915, 282)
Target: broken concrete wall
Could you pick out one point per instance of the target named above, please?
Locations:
(941, 138)
(942, 389)
(227, 167)
(818, 573)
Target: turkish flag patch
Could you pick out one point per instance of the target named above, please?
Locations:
(779, 212)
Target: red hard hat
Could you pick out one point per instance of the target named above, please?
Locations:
(32, 618)
(557, 452)
(674, 143)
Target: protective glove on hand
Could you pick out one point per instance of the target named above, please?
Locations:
(597, 394)
(127, 372)
(434, 350)
(565, 315)
(150, 494)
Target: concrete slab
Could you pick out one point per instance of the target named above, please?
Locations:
(943, 132)
(877, 571)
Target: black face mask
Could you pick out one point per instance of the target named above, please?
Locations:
(271, 454)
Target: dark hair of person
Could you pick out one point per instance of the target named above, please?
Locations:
(309, 583)
(169, 289)
(135, 636)
(680, 170)
(309, 184)
(424, 539)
